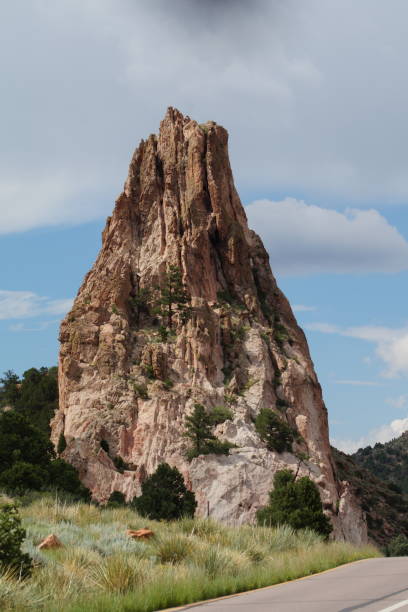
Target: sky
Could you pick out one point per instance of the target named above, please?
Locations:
(314, 96)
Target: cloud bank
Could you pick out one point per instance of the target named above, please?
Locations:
(313, 94)
(307, 239)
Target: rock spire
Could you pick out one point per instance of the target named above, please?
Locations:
(130, 371)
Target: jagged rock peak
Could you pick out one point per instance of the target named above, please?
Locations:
(132, 368)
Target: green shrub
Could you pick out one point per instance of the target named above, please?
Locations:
(219, 447)
(296, 503)
(116, 499)
(165, 496)
(22, 476)
(280, 333)
(148, 371)
(277, 434)
(398, 547)
(12, 536)
(119, 464)
(20, 441)
(62, 444)
(199, 431)
(141, 391)
(219, 414)
(63, 476)
(34, 395)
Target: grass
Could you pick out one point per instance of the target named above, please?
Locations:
(101, 569)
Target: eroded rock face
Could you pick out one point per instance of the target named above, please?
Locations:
(121, 382)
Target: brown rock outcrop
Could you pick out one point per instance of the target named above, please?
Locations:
(128, 381)
(51, 541)
(140, 534)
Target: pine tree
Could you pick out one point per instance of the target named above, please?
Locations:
(198, 430)
(173, 297)
(12, 535)
(277, 434)
(165, 496)
(296, 503)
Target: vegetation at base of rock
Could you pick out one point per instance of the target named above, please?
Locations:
(277, 435)
(198, 429)
(398, 547)
(388, 461)
(386, 509)
(101, 568)
(165, 496)
(34, 395)
(12, 535)
(27, 459)
(295, 502)
(62, 444)
(116, 499)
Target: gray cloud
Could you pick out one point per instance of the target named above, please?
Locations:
(313, 94)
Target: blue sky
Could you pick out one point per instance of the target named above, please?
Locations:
(314, 97)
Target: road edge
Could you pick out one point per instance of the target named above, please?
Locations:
(271, 586)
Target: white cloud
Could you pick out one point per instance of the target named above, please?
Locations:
(381, 434)
(26, 304)
(391, 345)
(303, 308)
(86, 79)
(306, 239)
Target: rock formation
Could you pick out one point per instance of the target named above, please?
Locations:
(130, 373)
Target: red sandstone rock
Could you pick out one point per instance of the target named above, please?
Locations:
(241, 346)
(50, 541)
(140, 534)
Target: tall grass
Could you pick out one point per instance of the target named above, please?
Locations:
(100, 568)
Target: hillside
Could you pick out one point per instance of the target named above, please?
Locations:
(387, 461)
(386, 509)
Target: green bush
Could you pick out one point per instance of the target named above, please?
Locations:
(398, 547)
(119, 464)
(20, 441)
(62, 444)
(199, 431)
(116, 499)
(296, 503)
(23, 476)
(27, 460)
(165, 496)
(277, 434)
(34, 395)
(141, 391)
(12, 536)
(64, 477)
(219, 414)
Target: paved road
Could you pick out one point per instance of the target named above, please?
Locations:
(374, 585)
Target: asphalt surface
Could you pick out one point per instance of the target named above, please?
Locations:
(373, 585)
